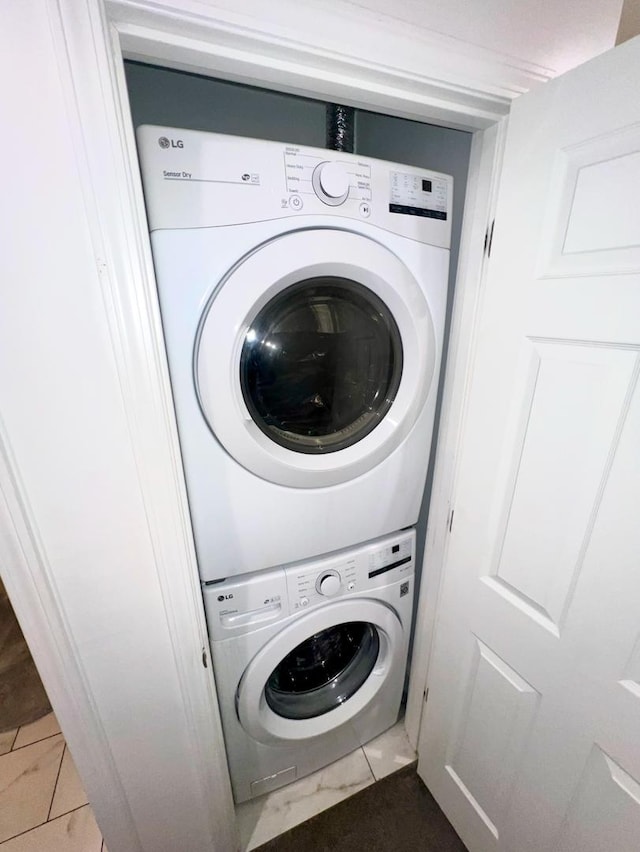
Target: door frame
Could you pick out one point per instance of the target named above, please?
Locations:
(91, 38)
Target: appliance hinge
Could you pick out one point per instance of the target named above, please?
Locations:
(204, 657)
(450, 519)
(488, 238)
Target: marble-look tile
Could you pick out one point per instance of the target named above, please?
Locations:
(40, 730)
(74, 832)
(6, 740)
(69, 793)
(27, 780)
(261, 819)
(389, 752)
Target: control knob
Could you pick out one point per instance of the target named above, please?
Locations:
(331, 183)
(329, 583)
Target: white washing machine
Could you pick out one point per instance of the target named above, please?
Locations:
(310, 659)
(303, 296)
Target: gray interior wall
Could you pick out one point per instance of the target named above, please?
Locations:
(177, 99)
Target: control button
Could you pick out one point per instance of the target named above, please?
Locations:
(365, 209)
(351, 586)
(304, 601)
(295, 202)
(329, 583)
(334, 180)
(331, 183)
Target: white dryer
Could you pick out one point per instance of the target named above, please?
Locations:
(303, 295)
(310, 659)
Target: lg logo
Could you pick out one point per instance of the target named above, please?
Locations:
(225, 597)
(163, 142)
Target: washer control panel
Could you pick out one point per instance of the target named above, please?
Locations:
(385, 561)
(252, 601)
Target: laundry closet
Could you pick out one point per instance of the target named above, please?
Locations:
(306, 294)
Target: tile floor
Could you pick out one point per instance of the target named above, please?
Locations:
(261, 819)
(42, 803)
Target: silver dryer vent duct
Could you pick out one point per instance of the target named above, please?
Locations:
(340, 127)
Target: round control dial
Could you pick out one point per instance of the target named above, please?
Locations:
(329, 583)
(331, 183)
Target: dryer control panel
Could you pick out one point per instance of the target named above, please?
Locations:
(251, 601)
(194, 180)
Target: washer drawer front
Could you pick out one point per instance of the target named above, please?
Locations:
(386, 674)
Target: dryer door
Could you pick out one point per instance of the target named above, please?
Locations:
(314, 357)
(322, 670)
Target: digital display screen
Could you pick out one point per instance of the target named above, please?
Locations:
(413, 195)
(395, 548)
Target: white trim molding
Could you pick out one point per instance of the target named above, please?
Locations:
(29, 578)
(106, 156)
(390, 68)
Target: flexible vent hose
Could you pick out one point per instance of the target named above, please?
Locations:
(340, 127)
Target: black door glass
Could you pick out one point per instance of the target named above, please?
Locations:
(324, 671)
(321, 365)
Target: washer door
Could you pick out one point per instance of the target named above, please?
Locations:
(321, 671)
(314, 357)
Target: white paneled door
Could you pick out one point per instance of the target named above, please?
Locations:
(531, 735)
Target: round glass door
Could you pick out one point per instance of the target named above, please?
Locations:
(324, 671)
(321, 364)
(321, 670)
(314, 357)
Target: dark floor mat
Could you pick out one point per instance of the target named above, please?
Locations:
(397, 814)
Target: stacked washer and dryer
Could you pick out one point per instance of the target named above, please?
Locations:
(303, 295)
